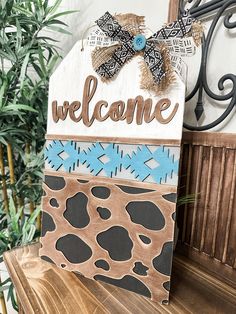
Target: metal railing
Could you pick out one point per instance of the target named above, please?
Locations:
(217, 9)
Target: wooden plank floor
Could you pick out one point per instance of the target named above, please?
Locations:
(42, 288)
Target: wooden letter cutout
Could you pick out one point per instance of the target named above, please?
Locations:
(116, 112)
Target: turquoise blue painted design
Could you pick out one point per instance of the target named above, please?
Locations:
(95, 163)
(53, 153)
(137, 162)
(157, 164)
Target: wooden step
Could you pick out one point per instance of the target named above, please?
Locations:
(43, 288)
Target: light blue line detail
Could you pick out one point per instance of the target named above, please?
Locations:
(159, 165)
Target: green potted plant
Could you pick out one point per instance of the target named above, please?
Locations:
(28, 56)
(15, 231)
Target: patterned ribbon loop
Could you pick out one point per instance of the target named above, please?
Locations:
(172, 37)
(111, 67)
(176, 29)
(122, 54)
(113, 29)
(154, 61)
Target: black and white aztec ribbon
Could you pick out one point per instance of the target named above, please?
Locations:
(173, 35)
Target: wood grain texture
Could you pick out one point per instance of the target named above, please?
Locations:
(173, 10)
(208, 227)
(121, 265)
(227, 140)
(161, 187)
(43, 288)
(124, 140)
(3, 302)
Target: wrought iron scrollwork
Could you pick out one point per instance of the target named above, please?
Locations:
(198, 10)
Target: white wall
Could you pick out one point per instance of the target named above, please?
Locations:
(222, 52)
(90, 10)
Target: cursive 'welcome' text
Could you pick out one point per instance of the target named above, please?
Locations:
(136, 108)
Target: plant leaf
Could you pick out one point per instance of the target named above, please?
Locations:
(19, 107)
(2, 91)
(54, 8)
(63, 13)
(23, 70)
(59, 29)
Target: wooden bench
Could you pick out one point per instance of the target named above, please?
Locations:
(42, 288)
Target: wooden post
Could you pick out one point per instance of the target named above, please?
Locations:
(2, 302)
(32, 206)
(3, 305)
(17, 200)
(10, 163)
(173, 10)
(39, 222)
(11, 169)
(4, 185)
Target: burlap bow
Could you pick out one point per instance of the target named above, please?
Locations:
(161, 51)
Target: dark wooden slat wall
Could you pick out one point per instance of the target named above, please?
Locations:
(208, 226)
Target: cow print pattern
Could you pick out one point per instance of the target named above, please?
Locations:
(107, 230)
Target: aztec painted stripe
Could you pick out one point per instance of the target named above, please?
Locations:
(144, 163)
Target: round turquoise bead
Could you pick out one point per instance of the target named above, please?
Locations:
(139, 42)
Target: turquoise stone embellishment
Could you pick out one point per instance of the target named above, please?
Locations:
(139, 42)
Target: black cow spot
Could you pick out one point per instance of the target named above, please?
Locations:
(74, 249)
(104, 213)
(55, 183)
(140, 269)
(128, 283)
(166, 285)
(174, 216)
(47, 224)
(47, 259)
(162, 262)
(53, 202)
(172, 197)
(102, 264)
(101, 192)
(82, 181)
(146, 214)
(133, 190)
(76, 211)
(145, 239)
(117, 242)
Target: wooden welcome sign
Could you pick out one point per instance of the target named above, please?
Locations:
(111, 173)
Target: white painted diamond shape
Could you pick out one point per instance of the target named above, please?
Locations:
(104, 159)
(63, 155)
(152, 163)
